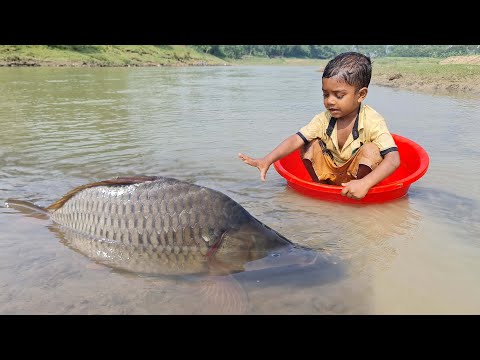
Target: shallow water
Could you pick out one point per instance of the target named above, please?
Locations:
(65, 127)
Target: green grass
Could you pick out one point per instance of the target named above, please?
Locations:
(423, 67)
(104, 55)
(426, 74)
(411, 69)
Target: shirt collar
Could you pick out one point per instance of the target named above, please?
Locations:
(356, 127)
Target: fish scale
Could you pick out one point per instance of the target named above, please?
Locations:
(143, 259)
(122, 213)
(160, 225)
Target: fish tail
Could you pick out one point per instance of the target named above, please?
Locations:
(27, 207)
(14, 203)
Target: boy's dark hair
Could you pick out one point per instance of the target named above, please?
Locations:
(352, 67)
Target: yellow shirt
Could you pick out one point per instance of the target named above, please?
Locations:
(370, 126)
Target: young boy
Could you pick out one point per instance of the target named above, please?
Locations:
(348, 144)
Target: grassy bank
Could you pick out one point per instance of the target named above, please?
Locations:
(428, 74)
(104, 55)
(450, 75)
(432, 75)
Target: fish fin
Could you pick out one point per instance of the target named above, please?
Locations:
(219, 268)
(211, 295)
(223, 295)
(127, 180)
(28, 208)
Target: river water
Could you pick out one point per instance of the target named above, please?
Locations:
(64, 127)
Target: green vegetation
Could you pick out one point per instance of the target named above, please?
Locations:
(172, 55)
(430, 67)
(418, 73)
(427, 74)
(420, 67)
(329, 51)
(103, 55)
(271, 51)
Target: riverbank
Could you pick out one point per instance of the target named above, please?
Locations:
(104, 56)
(453, 75)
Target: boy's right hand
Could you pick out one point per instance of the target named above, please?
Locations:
(261, 164)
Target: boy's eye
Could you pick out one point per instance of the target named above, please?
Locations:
(338, 96)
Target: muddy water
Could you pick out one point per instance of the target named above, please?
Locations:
(64, 127)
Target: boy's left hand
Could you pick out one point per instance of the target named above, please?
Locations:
(355, 189)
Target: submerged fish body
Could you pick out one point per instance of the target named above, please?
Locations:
(158, 225)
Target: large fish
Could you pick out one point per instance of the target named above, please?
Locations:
(159, 225)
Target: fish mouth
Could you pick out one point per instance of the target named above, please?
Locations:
(308, 256)
(295, 256)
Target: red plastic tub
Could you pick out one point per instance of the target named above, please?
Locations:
(414, 162)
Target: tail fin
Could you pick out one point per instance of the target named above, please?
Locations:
(27, 208)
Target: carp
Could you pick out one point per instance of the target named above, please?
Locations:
(161, 225)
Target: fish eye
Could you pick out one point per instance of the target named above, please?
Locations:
(276, 255)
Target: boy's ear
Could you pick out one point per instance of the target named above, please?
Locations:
(362, 94)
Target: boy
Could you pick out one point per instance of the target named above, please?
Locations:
(348, 144)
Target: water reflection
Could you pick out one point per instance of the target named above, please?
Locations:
(238, 293)
(364, 234)
(450, 208)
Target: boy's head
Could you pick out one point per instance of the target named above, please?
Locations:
(345, 83)
(352, 67)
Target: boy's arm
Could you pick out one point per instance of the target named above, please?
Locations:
(287, 146)
(357, 189)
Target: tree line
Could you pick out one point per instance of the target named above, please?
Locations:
(329, 51)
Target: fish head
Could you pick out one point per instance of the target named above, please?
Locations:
(289, 255)
(255, 245)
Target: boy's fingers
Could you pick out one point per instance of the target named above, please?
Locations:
(243, 157)
(263, 174)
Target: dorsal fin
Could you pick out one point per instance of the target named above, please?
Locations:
(127, 180)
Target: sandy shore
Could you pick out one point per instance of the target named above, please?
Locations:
(468, 86)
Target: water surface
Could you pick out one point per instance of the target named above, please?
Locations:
(65, 127)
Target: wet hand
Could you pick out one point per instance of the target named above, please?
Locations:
(261, 164)
(355, 189)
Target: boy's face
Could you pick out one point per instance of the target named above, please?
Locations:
(340, 98)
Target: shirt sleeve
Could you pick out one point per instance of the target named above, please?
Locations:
(314, 129)
(381, 137)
